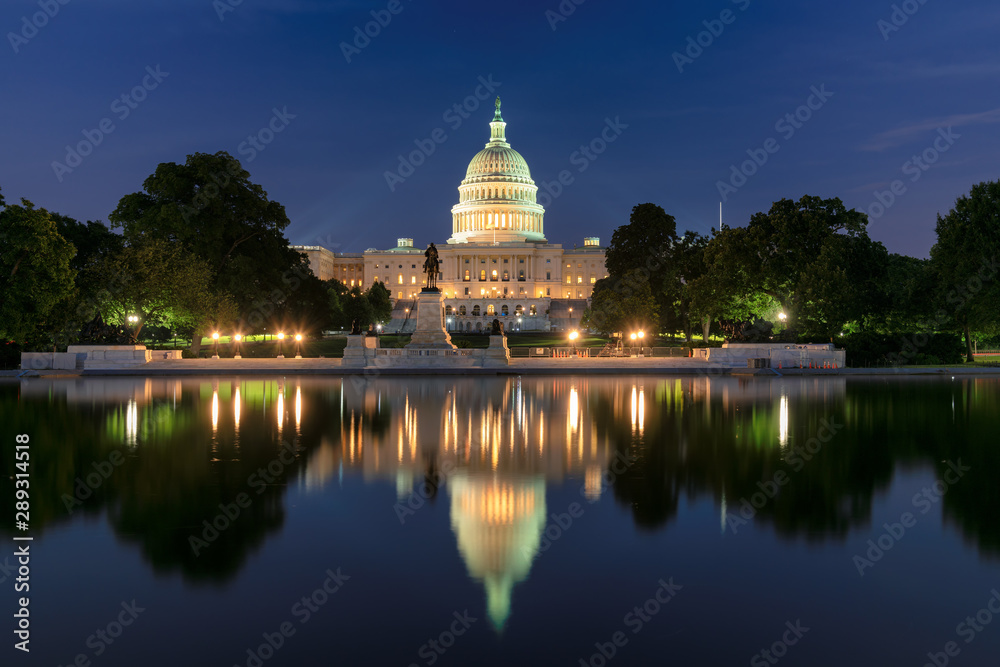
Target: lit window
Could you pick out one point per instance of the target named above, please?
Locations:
(400, 279)
(413, 280)
(579, 280)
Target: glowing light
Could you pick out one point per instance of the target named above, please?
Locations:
(783, 421)
(298, 406)
(782, 317)
(236, 408)
(281, 335)
(215, 409)
(573, 335)
(215, 336)
(298, 337)
(238, 337)
(131, 423)
(574, 408)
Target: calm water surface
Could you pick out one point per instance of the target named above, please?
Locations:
(507, 521)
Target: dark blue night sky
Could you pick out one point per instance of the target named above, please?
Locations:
(897, 86)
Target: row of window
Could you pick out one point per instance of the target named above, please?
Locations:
(491, 309)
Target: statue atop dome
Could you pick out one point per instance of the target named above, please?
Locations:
(496, 116)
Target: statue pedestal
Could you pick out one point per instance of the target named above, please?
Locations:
(360, 350)
(497, 354)
(430, 333)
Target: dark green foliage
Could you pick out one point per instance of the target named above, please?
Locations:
(872, 349)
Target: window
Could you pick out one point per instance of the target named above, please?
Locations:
(506, 276)
(569, 280)
(548, 291)
(447, 311)
(520, 261)
(400, 279)
(534, 311)
(413, 280)
(520, 274)
(400, 266)
(475, 310)
(548, 261)
(519, 310)
(493, 276)
(579, 280)
(593, 279)
(466, 278)
(504, 310)
(466, 291)
(461, 310)
(491, 309)
(548, 275)
(482, 274)
(413, 266)
(569, 266)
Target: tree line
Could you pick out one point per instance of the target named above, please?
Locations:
(804, 270)
(200, 249)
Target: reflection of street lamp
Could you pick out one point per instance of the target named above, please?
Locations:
(237, 338)
(215, 338)
(281, 340)
(298, 343)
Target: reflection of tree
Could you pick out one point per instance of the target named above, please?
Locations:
(725, 445)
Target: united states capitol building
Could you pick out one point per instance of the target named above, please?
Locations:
(497, 263)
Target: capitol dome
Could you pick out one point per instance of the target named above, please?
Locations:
(497, 198)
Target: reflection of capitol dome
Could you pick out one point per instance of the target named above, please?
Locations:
(498, 525)
(497, 199)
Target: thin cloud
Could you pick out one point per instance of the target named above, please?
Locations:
(903, 135)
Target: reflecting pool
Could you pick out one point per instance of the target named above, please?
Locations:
(498, 521)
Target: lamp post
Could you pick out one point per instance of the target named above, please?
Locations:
(641, 335)
(215, 339)
(632, 337)
(573, 335)
(237, 338)
(298, 343)
(281, 341)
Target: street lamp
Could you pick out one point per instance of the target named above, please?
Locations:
(298, 343)
(632, 337)
(641, 335)
(782, 317)
(573, 335)
(237, 338)
(215, 338)
(281, 340)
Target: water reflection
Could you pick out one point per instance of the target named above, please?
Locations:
(496, 446)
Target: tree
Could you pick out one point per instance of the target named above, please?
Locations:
(620, 305)
(35, 271)
(357, 307)
(381, 301)
(160, 283)
(211, 208)
(965, 260)
(645, 245)
(777, 252)
(646, 239)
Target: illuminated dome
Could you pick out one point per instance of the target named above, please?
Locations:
(498, 160)
(497, 200)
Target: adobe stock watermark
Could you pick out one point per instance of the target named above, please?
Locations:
(422, 493)
(894, 532)
(86, 486)
(581, 158)
(797, 457)
(968, 630)
(714, 28)
(37, 21)
(454, 116)
(786, 126)
(432, 651)
(635, 621)
(899, 17)
(562, 12)
(363, 38)
(303, 610)
(255, 143)
(561, 522)
(229, 513)
(915, 168)
(105, 637)
(122, 107)
(779, 649)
